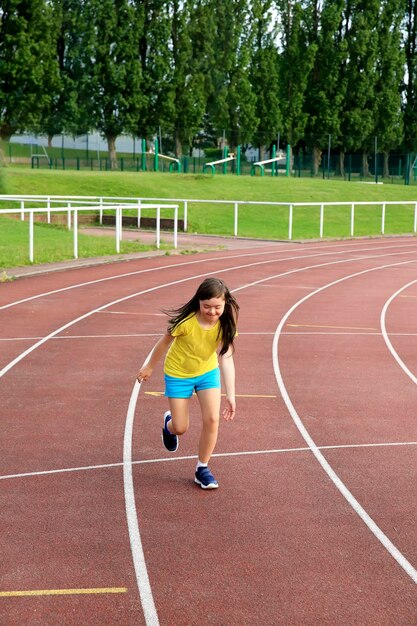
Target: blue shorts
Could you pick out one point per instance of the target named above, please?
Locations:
(184, 387)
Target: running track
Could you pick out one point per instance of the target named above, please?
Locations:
(315, 518)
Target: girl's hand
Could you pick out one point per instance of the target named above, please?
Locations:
(230, 409)
(144, 373)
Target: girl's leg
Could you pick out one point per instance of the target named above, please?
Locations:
(209, 400)
(179, 408)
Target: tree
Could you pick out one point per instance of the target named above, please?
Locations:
(409, 87)
(390, 71)
(28, 68)
(297, 56)
(326, 90)
(191, 45)
(359, 71)
(231, 104)
(114, 69)
(70, 109)
(264, 75)
(155, 57)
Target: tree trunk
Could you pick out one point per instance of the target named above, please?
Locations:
(385, 172)
(316, 160)
(111, 143)
(342, 163)
(50, 137)
(178, 145)
(6, 131)
(365, 165)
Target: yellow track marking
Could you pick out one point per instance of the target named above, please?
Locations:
(333, 327)
(61, 592)
(242, 395)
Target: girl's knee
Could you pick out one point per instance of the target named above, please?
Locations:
(180, 430)
(211, 420)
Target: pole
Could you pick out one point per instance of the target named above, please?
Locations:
(328, 157)
(376, 160)
(156, 161)
(143, 154)
(288, 161)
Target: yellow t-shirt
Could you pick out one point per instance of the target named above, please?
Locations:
(193, 351)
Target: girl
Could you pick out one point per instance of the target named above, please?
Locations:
(196, 331)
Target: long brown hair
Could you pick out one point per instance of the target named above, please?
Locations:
(210, 288)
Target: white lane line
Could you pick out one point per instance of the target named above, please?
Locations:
(130, 335)
(120, 336)
(386, 337)
(59, 330)
(199, 261)
(339, 484)
(173, 459)
(142, 577)
(136, 272)
(138, 558)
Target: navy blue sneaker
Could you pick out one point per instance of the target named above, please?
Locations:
(170, 441)
(205, 478)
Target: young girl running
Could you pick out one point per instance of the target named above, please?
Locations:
(197, 331)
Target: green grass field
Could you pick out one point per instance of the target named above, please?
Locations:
(270, 222)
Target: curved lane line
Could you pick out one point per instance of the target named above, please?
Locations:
(186, 263)
(24, 354)
(386, 337)
(373, 527)
(143, 583)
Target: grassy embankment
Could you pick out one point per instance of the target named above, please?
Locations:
(53, 243)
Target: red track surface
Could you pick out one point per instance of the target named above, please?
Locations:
(315, 518)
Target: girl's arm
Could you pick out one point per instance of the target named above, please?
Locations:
(227, 367)
(159, 350)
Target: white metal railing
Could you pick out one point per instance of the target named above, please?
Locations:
(291, 206)
(72, 205)
(103, 203)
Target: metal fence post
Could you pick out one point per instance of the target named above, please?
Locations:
(321, 220)
(69, 216)
(352, 219)
(185, 215)
(383, 219)
(290, 222)
(31, 256)
(139, 213)
(75, 233)
(158, 227)
(236, 214)
(176, 227)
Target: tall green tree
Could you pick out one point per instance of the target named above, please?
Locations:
(71, 107)
(360, 30)
(326, 91)
(410, 82)
(28, 67)
(264, 75)
(231, 104)
(115, 70)
(191, 48)
(156, 62)
(390, 73)
(297, 56)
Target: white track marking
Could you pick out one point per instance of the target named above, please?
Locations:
(173, 459)
(137, 552)
(339, 484)
(187, 263)
(385, 334)
(59, 330)
(142, 578)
